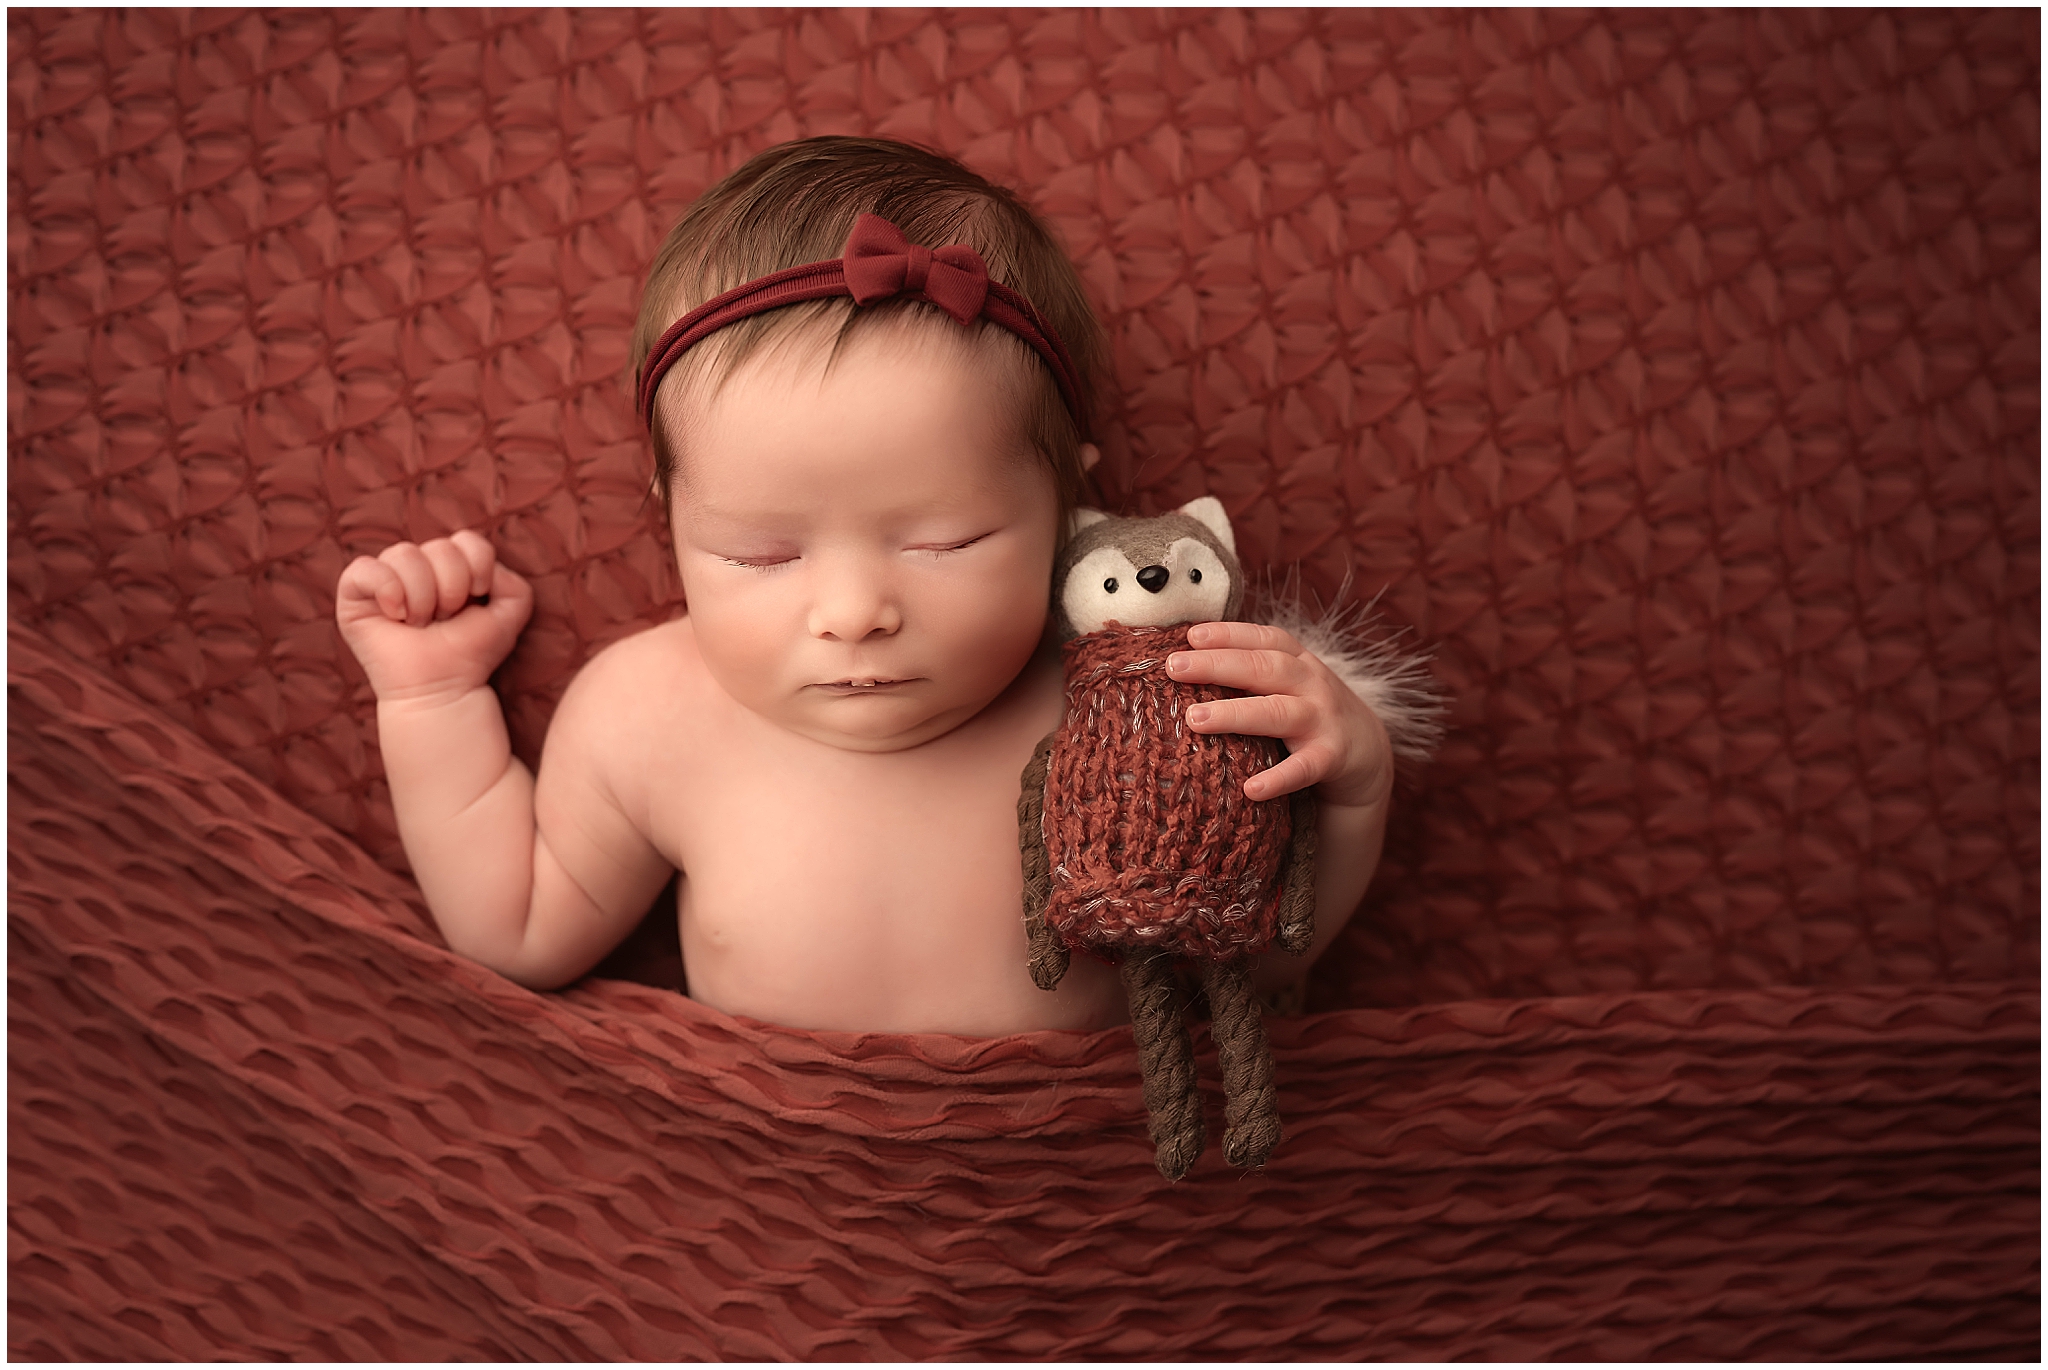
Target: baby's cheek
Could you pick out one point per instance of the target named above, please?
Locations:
(999, 623)
(741, 643)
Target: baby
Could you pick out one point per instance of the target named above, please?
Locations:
(868, 461)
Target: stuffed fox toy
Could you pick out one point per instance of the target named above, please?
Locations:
(1139, 844)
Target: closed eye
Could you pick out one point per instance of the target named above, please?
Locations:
(954, 546)
(757, 563)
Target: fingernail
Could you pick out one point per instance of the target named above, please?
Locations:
(1198, 713)
(1176, 663)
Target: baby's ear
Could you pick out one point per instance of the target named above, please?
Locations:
(1208, 511)
(1085, 518)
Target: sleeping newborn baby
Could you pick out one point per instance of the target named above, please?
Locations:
(866, 375)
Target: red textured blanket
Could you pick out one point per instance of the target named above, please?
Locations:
(1677, 375)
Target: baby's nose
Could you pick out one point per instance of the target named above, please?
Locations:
(1153, 578)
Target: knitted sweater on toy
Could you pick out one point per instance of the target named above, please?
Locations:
(1152, 843)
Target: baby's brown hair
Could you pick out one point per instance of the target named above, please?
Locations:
(795, 204)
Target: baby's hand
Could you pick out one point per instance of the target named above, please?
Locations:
(1334, 741)
(408, 615)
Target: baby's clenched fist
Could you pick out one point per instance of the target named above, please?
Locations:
(430, 621)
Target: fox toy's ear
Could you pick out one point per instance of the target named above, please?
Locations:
(1208, 511)
(1084, 518)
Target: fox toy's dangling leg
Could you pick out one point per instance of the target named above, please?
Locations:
(1251, 1121)
(1167, 1061)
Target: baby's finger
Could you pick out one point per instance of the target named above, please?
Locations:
(1259, 672)
(1252, 637)
(452, 576)
(416, 573)
(511, 596)
(1297, 771)
(476, 549)
(1254, 716)
(368, 588)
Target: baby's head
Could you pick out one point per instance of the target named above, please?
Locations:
(866, 499)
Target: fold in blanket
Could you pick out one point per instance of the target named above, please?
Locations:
(254, 1109)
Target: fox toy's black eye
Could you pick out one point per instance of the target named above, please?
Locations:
(1196, 575)
(1110, 585)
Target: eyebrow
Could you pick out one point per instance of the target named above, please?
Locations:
(728, 520)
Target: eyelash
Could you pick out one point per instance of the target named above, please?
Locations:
(771, 565)
(958, 546)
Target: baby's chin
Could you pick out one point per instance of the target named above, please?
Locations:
(892, 719)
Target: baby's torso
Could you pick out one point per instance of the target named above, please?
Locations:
(834, 889)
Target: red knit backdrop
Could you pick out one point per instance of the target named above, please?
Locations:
(1672, 377)
(1676, 376)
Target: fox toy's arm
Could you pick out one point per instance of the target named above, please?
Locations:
(1298, 894)
(1048, 954)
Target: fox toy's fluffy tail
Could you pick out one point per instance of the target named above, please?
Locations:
(1395, 682)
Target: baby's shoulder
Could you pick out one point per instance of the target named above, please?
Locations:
(669, 644)
(637, 690)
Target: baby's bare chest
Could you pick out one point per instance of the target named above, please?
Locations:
(838, 889)
(867, 836)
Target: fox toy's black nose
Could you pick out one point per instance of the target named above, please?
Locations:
(1153, 578)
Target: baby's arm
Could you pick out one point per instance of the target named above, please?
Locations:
(536, 880)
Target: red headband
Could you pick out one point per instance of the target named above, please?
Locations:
(879, 263)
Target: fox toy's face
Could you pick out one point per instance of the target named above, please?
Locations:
(1182, 582)
(1141, 573)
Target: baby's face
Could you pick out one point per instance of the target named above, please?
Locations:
(866, 549)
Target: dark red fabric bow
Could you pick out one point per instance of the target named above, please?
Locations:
(878, 263)
(881, 262)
